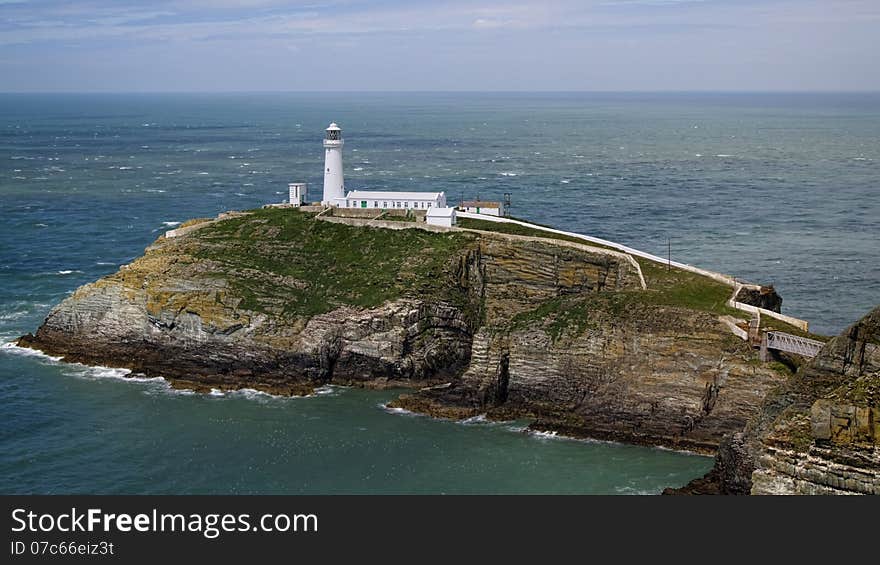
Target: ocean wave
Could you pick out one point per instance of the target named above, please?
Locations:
(633, 491)
(395, 410)
(170, 224)
(508, 174)
(11, 348)
(14, 315)
(67, 272)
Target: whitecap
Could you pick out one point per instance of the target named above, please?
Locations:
(14, 349)
(478, 419)
(565, 181)
(327, 390)
(540, 434)
(68, 272)
(170, 224)
(13, 315)
(125, 168)
(722, 155)
(203, 173)
(633, 491)
(395, 410)
(507, 174)
(358, 169)
(42, 225)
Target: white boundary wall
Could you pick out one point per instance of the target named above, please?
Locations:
(724, 279)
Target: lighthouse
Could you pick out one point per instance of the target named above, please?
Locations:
(334, 185)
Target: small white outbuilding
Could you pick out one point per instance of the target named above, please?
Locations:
(445, 217)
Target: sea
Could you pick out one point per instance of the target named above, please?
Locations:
(779, 189)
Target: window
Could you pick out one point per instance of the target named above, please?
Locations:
(384, 205)
(375, 204)
(406, 204)
(363, 203)
(429, 204)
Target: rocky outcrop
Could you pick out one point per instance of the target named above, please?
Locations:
(764, 297)
(818, 433)
(637, 373)
(177, 314)
(563, 333)
(825, 436)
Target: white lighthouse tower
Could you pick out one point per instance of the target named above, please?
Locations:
(334, 185)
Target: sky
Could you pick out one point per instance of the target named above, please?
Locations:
(394, 45)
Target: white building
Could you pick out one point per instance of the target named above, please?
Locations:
(483, 207)
(433, 203)
(334, 184)
(297, 192)
(438, 216)
(392, 200)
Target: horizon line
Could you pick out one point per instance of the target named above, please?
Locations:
(448, 91)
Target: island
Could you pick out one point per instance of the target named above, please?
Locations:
(486, 318)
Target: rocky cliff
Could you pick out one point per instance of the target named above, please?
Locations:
(818, 433)
(581, 339)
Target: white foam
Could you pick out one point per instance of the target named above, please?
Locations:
(216, 392)
(358, 169)
(13, 315)
(508, 174)
(633, 491)
(327, 390)
(723, 155)
(13, 349)
(68, 272)
(478, 419)
(170, 224)
(42, 225)
(540, 434)
(565, 181)
(395, 410)
(203, 173)
(125, 168)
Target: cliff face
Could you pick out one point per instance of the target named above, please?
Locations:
(818, 433)
(512, 326)
(821, 433)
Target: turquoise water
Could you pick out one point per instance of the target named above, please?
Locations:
(770, 188)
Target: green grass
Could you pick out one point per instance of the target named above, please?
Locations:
(665, 287)
(282, 259)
